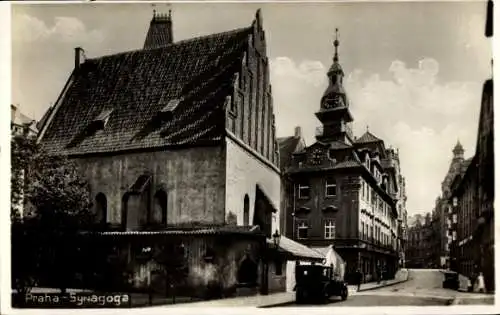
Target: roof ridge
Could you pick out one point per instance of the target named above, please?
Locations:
(187, 40)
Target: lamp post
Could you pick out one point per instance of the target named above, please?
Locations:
(276, 239)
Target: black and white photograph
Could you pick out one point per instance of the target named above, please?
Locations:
(279, 156)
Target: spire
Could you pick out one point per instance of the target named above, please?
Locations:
(334, 111)
(336, 68)
(336, 44)
(458, 151)
(160, 30)
(335, 91)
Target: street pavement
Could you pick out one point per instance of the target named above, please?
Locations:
(424, 287)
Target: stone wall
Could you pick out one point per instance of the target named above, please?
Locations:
(213, 263)
(244, 173)
(192, 178)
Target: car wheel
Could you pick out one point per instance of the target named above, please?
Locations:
(344, 294)
(299, 297)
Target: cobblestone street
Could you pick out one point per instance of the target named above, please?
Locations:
(424, 287)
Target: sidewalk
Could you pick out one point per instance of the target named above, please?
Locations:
(473, 299)
(401, 276)
(284, 298)
(278, 298)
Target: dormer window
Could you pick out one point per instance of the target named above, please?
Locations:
(102, 119)
(170, 107)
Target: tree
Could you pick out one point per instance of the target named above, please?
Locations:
(61, 208)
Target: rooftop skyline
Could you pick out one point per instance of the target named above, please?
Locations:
(414, 70)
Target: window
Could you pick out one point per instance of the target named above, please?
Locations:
(244, 119)
(329, 229)
(302, 229)
(304, 190)
(246, 211)
(278, 266)
(454, 235)
(454, 218)
(101, 207)
(331, 188)
(160, 207)
(362, 230)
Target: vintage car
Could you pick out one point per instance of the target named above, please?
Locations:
(451, 280)
(316, 283)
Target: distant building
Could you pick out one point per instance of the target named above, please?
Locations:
(458, 165)
(420, 250)
(287, 147)
(21, 124)
(473, 193)
(345, 190)
(179, 138)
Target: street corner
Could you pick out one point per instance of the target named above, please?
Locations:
(483, 300)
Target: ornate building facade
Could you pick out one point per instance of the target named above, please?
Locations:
(346, 189)
(441, 212)
(472, 196)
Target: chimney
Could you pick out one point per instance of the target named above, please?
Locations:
(160, 32)
(78, 57)
(298, 132)
(13, 110)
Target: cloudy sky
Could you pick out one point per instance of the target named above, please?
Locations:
(414, 70)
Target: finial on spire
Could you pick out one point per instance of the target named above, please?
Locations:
(336, 44)
(367, 128)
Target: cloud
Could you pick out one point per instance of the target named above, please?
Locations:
(410, 108)
(27, 28)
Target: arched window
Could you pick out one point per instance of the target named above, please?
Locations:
(160, 207)
(247, 273)
(101, 208)
(246, 211)
(124, 211)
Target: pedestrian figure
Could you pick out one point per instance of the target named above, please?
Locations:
(359, 278)
(379, 273)
(480, 283)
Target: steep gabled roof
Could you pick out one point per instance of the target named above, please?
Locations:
(137, 85)
(288, 146)
(367, 137)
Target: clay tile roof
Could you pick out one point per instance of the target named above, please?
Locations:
(208, 230)
(138, 85)
(367, 137)
(287, 147)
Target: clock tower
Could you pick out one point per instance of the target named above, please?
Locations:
(334, 111)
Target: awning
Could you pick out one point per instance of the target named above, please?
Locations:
(296, 249)
(329, 251)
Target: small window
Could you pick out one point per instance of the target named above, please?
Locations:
(302, 230)
(304, 190)
(102, 119)
(171, 106)
(331, 188)
(329, 229)
(278, 266)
